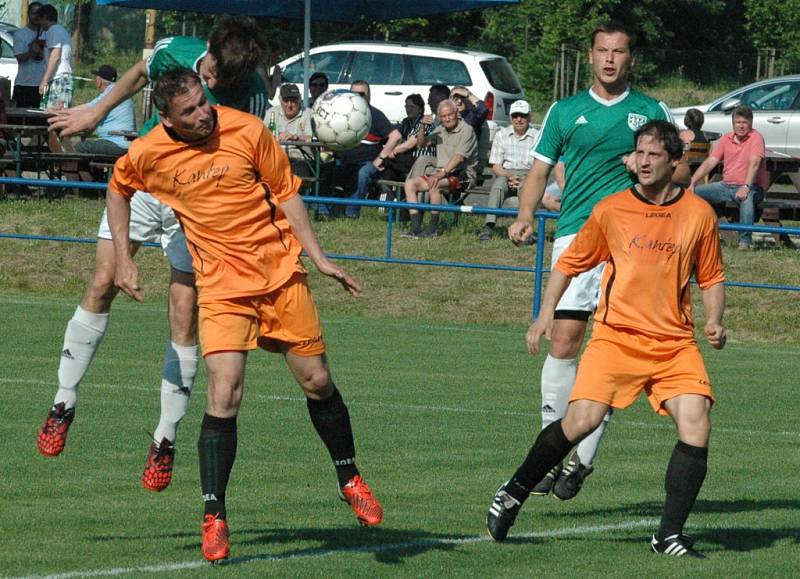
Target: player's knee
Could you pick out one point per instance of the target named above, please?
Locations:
(101, 291)
(317, 383)
(564, 346)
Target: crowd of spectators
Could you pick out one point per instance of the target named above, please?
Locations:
(441, 154)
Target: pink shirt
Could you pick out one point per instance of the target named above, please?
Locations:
(736, 158)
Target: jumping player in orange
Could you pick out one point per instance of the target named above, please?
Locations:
(653, 237)
(232, 189)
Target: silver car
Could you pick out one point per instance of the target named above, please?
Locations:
(776, 111)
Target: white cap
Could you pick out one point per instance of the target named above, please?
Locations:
(519, 106)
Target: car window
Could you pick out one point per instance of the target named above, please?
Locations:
(777, 96)
(428, 70)
(331, 63)
(501, 76)
(377, 68)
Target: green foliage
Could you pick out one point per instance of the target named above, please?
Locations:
(775, 24)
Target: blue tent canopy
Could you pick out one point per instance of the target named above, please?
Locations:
(323, 10)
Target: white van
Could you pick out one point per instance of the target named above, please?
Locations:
(396, 70)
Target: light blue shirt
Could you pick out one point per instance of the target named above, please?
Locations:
(120, 118)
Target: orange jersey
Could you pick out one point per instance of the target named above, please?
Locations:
(226, 193)
(652, 252)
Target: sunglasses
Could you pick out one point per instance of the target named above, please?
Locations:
(318, 84)
(518, 115)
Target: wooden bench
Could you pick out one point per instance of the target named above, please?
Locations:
(770, 212)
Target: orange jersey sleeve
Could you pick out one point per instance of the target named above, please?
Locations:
(652, 252)
(125, 179)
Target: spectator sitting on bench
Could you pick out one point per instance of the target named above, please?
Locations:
(399, 162)
(454, 168)
(695, 143)
(120, 118)
(292, 123)
(474, 112)
(364, 161)
(317, 85)
(510, 159)
(744, 172)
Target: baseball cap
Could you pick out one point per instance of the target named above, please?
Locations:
(289, 91)
(519, 106)
(106, 72)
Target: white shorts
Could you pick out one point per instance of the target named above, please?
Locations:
(153, 221)
(583, 293)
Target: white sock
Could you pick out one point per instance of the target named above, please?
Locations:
(180, 369)
(587, 448)
(558, 376)
(84, 333)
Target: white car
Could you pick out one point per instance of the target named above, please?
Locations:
(776, 111)
(8, 62)
(396, 70)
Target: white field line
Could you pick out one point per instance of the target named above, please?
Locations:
(378, 548)
(657, 422)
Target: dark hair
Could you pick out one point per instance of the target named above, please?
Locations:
(441, 89)
(613, 27)
(360, 83)
(48, 12)
(694, 119)
(743, 111)
(174, 82)
(317, 75)
(238, 47)
(417, 100)
(662, 131)
(34, 7)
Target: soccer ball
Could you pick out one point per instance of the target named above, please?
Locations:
(341, 119)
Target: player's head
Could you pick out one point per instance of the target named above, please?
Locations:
(742, 119)
(361, 87)
(183, 106)
(235, 49)
(611, 53)
(658, 150)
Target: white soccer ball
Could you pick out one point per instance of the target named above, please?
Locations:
(341, 119)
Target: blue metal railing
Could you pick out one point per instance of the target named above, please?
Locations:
(394, 206)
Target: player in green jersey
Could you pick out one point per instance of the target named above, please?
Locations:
(593, 131)
(227, 65)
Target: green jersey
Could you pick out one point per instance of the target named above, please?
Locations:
(592, 135)
(187, 52)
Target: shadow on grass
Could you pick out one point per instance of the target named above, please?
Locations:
(653, 508)
(389, 546)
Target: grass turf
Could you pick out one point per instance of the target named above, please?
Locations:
(442, 412)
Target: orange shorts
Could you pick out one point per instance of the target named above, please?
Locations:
(283, 320)
(617, 365)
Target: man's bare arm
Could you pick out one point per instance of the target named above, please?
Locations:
(72, 121)
(556, 286)
(529, 199)
(714, 306)
(126, 275)
(704, 169)
(295, 211)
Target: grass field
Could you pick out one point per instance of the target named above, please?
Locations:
(442, 411)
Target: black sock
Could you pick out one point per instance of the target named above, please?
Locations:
(416, 222)
(549, 448)
(217, 449)
(685, 474)
(332, 422)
